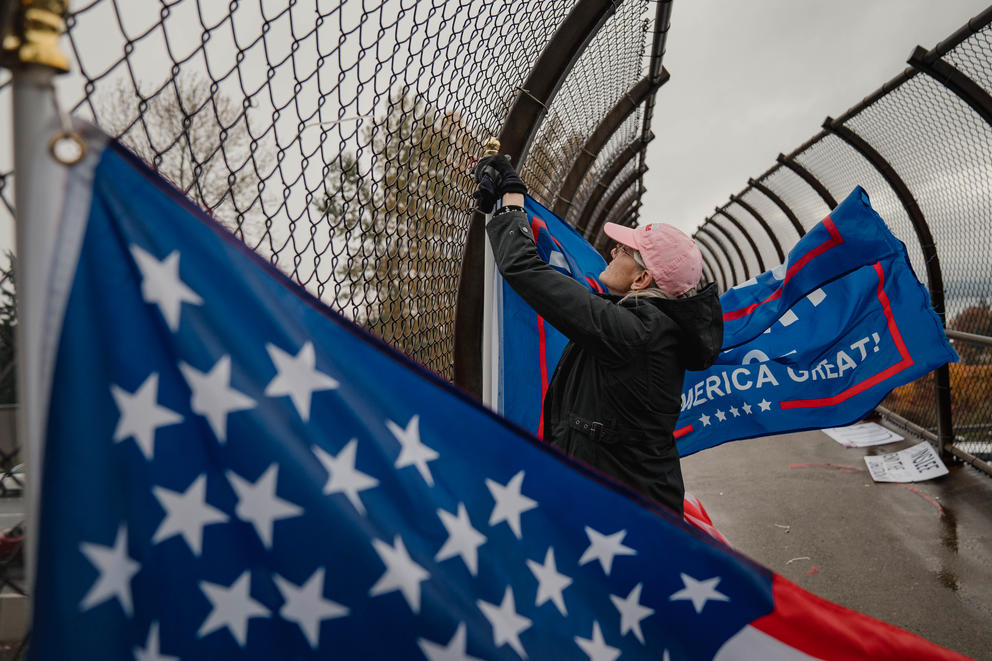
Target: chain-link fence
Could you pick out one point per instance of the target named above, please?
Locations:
(922, 148)
(334, 138)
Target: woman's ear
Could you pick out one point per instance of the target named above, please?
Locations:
(642, 281)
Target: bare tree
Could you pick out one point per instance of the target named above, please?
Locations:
(197, 138)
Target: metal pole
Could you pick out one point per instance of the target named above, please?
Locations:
(734, 279)
(954, 80)
(761, 221)
(716, 259)
(740, 228)
(807, 176)
(935, 281)
(609, 125)
(30, 51)
(518, 132)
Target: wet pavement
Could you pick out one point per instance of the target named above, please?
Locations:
(918, 556)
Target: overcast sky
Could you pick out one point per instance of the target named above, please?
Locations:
(751, 80)
(754, 79)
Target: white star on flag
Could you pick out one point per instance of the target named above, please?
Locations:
(116, 569)
(747, 408)
(510, 503)
(604, 548)
(721, 416)
(734, 411)
(160, 284)
(699, 592)
(342, 476)
(596, 648)
(632, 612)
(297, 376)
(463, 539)
(213, 396)
(413, 452)
(705, 419)
(258, 503)
(454, 651)
(402, 573)
(186, 514)
(506, 623)
(307, 606)
(152, 651)
(231, 608)
(550, 583)
(141, 415)
(765, 404)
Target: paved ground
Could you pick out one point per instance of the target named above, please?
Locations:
(917, 556)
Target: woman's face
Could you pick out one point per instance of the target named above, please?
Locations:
(622, 270)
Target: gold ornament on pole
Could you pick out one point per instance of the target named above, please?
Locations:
(490, 147)
(31, 31)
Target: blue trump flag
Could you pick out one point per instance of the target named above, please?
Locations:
(525, 339)
(833, 354)
(816, 342)
(233, 471)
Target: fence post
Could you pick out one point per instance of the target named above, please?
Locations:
(945, 431)
(761, 221)
(733, 244)
(736, 223)
(698, 236)
(519, 128)
(623, 108)
(592, 234)
(616, 166)
(30, 51)
(710, 258)
(723, 247)
(807, 176)
(965, 88)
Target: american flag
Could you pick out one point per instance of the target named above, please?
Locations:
(233, 471)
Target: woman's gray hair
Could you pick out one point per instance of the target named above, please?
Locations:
(653, 291)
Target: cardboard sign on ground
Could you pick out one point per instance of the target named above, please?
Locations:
(916, 464)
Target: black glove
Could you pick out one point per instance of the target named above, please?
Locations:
(496, 177)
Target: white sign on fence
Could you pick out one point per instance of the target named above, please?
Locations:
(862, 435)
(915, 464)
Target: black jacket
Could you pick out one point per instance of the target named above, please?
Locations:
(616, 394)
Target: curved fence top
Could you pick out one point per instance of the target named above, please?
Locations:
(335, 138)
(921, 145)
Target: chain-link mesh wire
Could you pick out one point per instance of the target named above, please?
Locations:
(334, 138)
(628, 132)
(940, 147)
(586, 97)
(804, 202)
(609, 199)
(766, 248)
(736, 237)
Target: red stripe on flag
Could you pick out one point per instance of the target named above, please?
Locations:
(828, 631)
(858, 388)
(835, 240)
(682, 431)
(542, 353)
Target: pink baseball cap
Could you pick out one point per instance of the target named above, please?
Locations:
(670, 256)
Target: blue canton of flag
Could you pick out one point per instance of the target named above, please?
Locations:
(233, 471)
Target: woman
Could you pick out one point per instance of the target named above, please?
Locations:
(615, 396)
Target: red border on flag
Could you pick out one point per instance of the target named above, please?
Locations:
(835, 240)
(871, 381)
